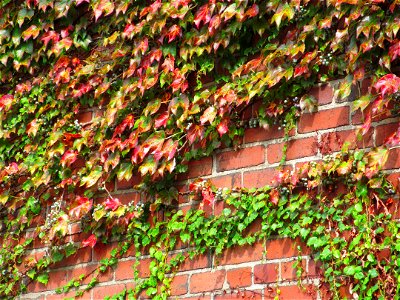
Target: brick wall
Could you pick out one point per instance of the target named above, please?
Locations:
(263, 270)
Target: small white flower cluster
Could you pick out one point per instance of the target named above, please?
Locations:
(53, 214)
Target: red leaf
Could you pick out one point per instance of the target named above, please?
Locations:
(6, 101)
(394, 51)
(112, 203)
(151, 9)
(83, 206)
(388, 84)
(90, 241)
(209, 115)
(127, 122)
(274, 196)
(208, 196)
(103, 6)
(252, 11)
(223, 127)
(202, 15)
(215, 22)
(161, 120)
(173, 32)
(194, 132)
(50, 36)
(69, 138)
(394, 139)
(300, 70)
(69, 157)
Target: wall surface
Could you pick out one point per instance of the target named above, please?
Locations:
(264, 270)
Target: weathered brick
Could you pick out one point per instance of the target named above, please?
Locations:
(382, 132)
(82, 255)
(229, 181)
(324, 119)
(323, 94)
(266, 273)
(260, 134)
(295, 292)
(199, 262)
(296, 149)
(124, 270)
(240, 294)
(84, 117)
(242, 158)
(288, 270)
(260, 178)
(88, 269)
(179, 285)
(100, 292)
(128, 184)
(281, 248)
(207, 281)
(240, 277)
(393, 161)
(64, 296)
(333, 141)
(197, 168)
(240, 254)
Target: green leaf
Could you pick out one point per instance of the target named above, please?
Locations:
(43, 278)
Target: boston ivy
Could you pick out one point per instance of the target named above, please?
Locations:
(164, 83)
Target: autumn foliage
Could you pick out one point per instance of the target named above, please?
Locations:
(164, 82)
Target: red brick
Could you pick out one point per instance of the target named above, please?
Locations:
(296, 149)
(288, 270)
(101, 250)
(333, 141)
(281, 248)
(394, 178)
(240, 294)
(208, 281)
(100, 292)
(57, 279)
(202, 297)
(358, 116)
(128, 197)
(219, 206)
(382, 132)
(128, 184)
(89, 269)
(260, 134)
(325, 119)
(242, 158)
(82, 255)
(314, 269)
(240, 254)
(179, 285)
(393, 161)
(323, 94)
(260, 178)
(266, 273)
(295, 292)
(84, 117)
(239, 277)
(199, 262)
(229, 181)
(366, 86)
(197, 168)
(64, 296)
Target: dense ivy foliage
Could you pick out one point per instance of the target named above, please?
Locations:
(166, 82)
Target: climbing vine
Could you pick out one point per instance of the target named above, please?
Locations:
(167, 82)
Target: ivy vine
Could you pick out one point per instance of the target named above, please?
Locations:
(98, 91)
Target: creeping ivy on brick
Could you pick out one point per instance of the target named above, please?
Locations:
(102, 96)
